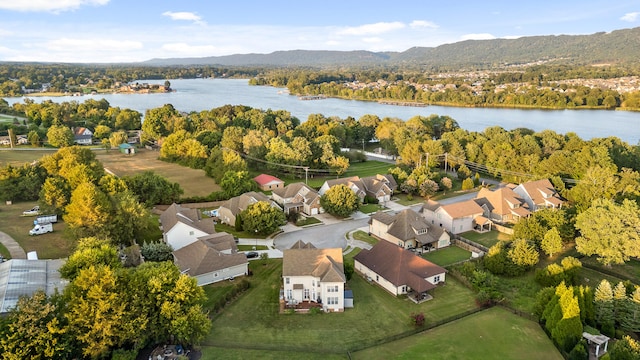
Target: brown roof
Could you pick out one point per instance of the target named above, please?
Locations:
(302, 245)
(176, 213)
(221, 241)
(383, 217)
(325, 264)
(201, 257)
(430, 205)
(239, 203)
(406, 225)
(542, 191)
(502, 200)
(399, 266)
(301, 189)
(462, 209)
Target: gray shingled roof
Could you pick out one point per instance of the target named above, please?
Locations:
(202, 257)
(176, 213)
(239, 203)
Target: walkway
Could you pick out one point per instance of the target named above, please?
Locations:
(15, 250)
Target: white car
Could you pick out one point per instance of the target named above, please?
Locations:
(33, 212)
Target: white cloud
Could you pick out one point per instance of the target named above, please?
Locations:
(48, 5)
(630, 17)
(423, 24)
(511, 37)
(83, 45)
(372, 29)
(184, 15)
(483, 36)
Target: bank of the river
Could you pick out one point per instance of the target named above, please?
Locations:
(205, 94)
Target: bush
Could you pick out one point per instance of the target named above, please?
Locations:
(467, 184)
(417, 319)
(122, 354)
(579, 352)
(370, 200)
(315, 311)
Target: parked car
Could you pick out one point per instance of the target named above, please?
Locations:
(32, 212)
(40, 229)
(252, 254)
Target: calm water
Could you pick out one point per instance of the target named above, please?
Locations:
(205, 94)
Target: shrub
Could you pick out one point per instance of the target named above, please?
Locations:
(315, 311)
(417, 319)
(467, 184)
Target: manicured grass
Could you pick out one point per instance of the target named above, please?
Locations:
(363, 236)
(4, 252)
(48, 246)
(447, 256)
(240, 234)
(253, 321)
(252, 247)
(19, 157)
(308, 221)
(631, 269)
(491, 334)
(520, 291)
(592, 278)
(370, 208)
(403, 200)
(193, 181)
(368, 168)
(487, 239)
(223, 353)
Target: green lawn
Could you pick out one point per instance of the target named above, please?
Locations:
(48, 246)
(370, 208)
(520, 291)
(491, 334)
(487, 239)
(253, 321)
(402, 199)
(631, 269)
(4, 252)
(252, 247)
(241, 234)
(447, 256)
(363, 236)
(367, 168)
(308, 221)
(19, 157)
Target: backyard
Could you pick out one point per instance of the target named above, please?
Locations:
(490, 334)
(447, 256)
(19, 157)
(487, 239)
(377, 315)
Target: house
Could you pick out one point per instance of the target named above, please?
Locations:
(298, 197)
(539, 194)
(380, 187)
(502, 205)
(228, 211)
(198, 250)
(182, 226)
(408, 230)
(127, 149)
(398, 270)
(22, 277)
(82, 136)
(22, 139)
(313, 276)
(268, 183)
(457, 217)
(212, 258)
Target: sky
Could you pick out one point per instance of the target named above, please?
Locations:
(109, 31)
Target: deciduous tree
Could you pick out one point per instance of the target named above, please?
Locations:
(262, 218)
(339, 200)
(551, 243)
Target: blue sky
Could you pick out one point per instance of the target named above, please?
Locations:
(100, 31)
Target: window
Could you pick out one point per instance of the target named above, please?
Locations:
(289, 294)
(377, 278)
(191, 233)
(332, 288)
(436, 279)
(286, 281)
(313, 283)
(332, 301)
(306, 294)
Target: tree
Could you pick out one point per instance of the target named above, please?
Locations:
(523, 253)
(153, 189)
(36, 330)
(428, 188)
(340, 200)
(610, 231)
(88, 211)
(128, 119)
(446, 183)
(56, 193)
(551, 243)
(625, 349)
(101, 132)
(117, 138)
(604, 312)
(467, 184)
(60, 136)
(157, 251)
(90, 251)
(234, 183)
(34, 138)
(128, 219)
(262, 218)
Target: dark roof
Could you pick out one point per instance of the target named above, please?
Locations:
(399, 266)
(291, 190)
(176, 213)
(202, 257)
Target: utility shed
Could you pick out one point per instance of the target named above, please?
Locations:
(20, 277)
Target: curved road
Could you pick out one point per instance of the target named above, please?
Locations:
(321, 236)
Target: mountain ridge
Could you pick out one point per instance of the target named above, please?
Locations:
(618, 46)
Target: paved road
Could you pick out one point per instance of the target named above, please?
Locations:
(321, 236)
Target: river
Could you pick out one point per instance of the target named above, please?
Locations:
(204, 94)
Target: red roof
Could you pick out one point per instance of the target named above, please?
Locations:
(264, 179)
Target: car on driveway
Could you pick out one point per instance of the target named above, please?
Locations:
(251, 254)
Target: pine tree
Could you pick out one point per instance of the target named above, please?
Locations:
(631, 322)
(620, 307)
(551, 243)
(604, 304)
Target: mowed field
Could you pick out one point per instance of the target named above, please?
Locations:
(491, 334)
(22, 156)
(194, 182)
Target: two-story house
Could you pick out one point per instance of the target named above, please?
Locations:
(313, 275)
(539, 194)
(408, 230)
(228, 211)
(298, 197)
(380, 187)
(502, 205)
(457, 217)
